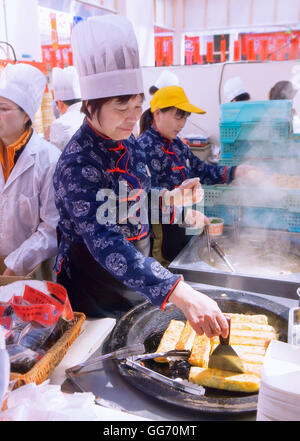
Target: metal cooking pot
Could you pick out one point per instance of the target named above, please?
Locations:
(146, 324)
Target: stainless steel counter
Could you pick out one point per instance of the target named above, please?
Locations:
(192, 265)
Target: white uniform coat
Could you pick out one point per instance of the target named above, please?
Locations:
(28, 216)
(64, 127)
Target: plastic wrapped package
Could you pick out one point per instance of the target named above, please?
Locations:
(35, 316)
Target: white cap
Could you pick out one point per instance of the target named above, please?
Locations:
(106, 57)
(233, 88)
(24, 85)
(166, 78)
(65, 84)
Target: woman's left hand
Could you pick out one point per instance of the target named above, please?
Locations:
(8, 272)
(248, 174)
(188, 193)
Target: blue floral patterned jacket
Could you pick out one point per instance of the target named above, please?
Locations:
(89, 163)
(170, 162)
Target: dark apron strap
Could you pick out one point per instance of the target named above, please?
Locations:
(93, 290)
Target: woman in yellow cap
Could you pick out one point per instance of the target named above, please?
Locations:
(170, 161)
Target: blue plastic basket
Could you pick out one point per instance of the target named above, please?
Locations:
(251, 111)
(253, 217)
(266, 131)
(269, 166)
(259, 150)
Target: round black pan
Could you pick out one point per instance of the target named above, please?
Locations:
(146, 324)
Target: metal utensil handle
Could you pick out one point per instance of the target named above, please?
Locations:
(225, 341)
(198, 390)
(172, 353)
(217, 248)
(126, 351)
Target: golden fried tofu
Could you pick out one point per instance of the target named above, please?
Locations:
(226, 380)
(187, 338)
(170, 338)
(256, 318)
(200, 351)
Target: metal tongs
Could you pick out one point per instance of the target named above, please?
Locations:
(208, 244)
(223, 256)
(122, 353)
(182, 385)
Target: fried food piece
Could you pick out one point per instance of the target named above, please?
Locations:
(256, 318)
(200, 351)
(187, 338)
(244, 349)
(170, 338)
(225, 380)
(246, 337)
(252, 327)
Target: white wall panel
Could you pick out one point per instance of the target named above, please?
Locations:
(160, 12)
(288, 11)
(263, 12)
(217, 14)
(239, 13)
(23, 28)
(194, 14)
(169, 13)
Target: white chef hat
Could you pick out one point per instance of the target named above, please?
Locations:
(166, 78)
(24, 85)
(233, 88)
(106, 57)
(65, 83)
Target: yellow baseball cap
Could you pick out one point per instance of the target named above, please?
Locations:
(173, 96)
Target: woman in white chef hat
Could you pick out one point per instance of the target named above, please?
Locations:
(67, 95)
(103, 253)
(166, 78)
(28, 216)
(235, 90)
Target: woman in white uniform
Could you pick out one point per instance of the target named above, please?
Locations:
(67, 95)
(28, 216)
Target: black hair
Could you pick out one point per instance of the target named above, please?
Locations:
(242, 97)
(28, 124)
(147, 118)
(153, 89)
(71, 102)
(97, 103)
(283, 90)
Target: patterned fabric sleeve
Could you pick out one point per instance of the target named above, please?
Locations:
(107, 243)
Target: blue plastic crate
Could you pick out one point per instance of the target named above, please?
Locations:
(266, 131)
(259, 150)
(269, 166)
(253, 217)
(251, 111)
(232, 195)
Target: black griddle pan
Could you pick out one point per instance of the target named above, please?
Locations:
(147, 323)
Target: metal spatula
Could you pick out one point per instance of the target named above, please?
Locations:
(223, 256)
(224, 356)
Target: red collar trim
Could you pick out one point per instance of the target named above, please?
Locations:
(96, 131)
(163, 137)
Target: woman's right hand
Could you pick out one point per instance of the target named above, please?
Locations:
(202, 312)
(188, 193)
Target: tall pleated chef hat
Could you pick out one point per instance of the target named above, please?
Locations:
(233, 88)
(106, 57)
(24, 85)
(166, 78)
(65, 83)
